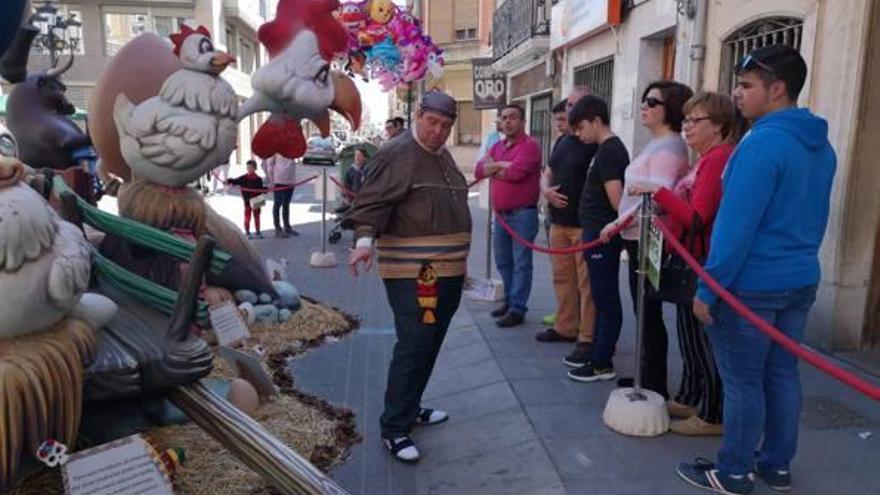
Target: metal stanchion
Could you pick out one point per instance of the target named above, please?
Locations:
(323, 259)
(644, 225)
(635, 411)
(489, 232)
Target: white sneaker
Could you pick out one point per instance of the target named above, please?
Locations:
(431, 416)
(402, 448)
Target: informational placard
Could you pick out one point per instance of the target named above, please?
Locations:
(127, 466)
(490, 86)
(655, 255)
(228, 324)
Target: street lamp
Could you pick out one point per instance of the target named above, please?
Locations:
(57, 37)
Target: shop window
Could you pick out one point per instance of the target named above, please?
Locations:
(468, 125)
(598, 77)
(761, 33)
(465, 34)
(123, 25)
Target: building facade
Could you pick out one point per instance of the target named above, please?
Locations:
(461, 29)
(108, 24)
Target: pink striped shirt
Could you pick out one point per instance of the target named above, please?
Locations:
(664, 162)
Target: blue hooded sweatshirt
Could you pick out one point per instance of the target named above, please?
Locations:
(774, 206)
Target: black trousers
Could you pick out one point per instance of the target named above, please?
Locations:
(281, 204)
(415, 351)
(655, 341)
(700, 381)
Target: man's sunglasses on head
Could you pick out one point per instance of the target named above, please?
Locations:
(750, 63)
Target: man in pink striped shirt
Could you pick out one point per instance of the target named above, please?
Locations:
(514, 165)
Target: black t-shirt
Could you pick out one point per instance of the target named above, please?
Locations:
(569, 161)
(609, 164)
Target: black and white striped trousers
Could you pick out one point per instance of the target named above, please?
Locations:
(700, 381)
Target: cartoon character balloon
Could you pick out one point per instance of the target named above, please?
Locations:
(386, 43)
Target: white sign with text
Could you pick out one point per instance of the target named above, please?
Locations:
(123, 467)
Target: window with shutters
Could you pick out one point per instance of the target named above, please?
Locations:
(761, 33)
(598, 77)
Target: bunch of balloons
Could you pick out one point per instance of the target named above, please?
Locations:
(386, 43)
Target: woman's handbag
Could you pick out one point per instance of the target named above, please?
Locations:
(678, 283)
(259, 201)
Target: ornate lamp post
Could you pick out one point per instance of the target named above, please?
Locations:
(57, 37)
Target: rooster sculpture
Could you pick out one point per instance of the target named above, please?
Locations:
(297, 83)
(189, 127)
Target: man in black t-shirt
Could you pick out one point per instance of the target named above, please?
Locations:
(564, 180)
(598, 206)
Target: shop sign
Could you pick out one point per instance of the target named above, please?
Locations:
(490, 86)
(574, 19)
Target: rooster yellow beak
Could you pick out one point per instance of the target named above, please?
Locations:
(11, 171)
(347, 99)
(220, 61)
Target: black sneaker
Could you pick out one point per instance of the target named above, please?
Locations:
(551, 335)
(776, 479)
(499, 311)
(590, 373)
(579, 356)
(703, 474)
(511, 319)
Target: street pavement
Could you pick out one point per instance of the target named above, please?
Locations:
(518, 425)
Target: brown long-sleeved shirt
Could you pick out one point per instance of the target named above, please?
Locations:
(415, 203)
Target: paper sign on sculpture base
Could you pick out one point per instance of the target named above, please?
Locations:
(128, 465)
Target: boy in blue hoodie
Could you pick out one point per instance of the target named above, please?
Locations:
(764, 249)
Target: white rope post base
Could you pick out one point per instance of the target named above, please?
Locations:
(323, 260)
(639, 417)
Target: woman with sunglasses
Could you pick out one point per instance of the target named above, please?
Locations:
(663, 161)
(709, 129)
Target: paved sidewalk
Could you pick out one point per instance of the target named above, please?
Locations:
(518, 425)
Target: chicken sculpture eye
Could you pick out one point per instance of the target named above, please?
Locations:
(205, 46)
(322, 74)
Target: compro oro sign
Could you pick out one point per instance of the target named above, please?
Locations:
(572, 20)
(490, 86)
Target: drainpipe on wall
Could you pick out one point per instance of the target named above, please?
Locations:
(698, 45)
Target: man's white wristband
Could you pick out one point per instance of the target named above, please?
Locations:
(364, 242)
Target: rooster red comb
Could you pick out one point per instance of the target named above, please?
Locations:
(294, 16)
(185, 31)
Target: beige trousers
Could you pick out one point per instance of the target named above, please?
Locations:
(575, 313)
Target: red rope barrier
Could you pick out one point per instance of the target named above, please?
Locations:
(273, 189)
(808, 355)
(474, 182)
(569, 250)
(348, 192)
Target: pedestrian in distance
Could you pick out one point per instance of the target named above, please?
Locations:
(281, 176)
(252, 187)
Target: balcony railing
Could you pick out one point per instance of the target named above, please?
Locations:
(515, 21)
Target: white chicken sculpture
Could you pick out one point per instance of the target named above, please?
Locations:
(190, 127)
(45, 262)
(297, 82)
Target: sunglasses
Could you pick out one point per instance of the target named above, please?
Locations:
(651, 102)
(750, 63)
